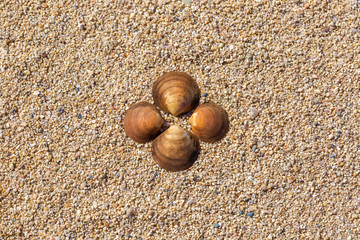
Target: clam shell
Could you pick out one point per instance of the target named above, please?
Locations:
(209, 122)
(142, 122)
(176, 93)
(175, 149)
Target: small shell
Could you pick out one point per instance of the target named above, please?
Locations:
(142, 122)
(175, 149)
(176, 93)
(209, 122)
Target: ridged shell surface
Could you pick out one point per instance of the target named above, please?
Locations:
(142, 122)
(176, 93)
(209, 122)
(175, 149)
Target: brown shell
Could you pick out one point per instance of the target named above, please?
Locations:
(142, 122)
(175, 149)
(209, 122)
(176, 93)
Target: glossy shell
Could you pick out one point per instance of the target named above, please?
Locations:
(176, 93)
(209, 122)
(142, 122)
(175, 149)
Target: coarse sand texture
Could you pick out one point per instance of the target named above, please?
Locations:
(285, 72)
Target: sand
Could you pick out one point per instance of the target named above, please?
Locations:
(287, 73)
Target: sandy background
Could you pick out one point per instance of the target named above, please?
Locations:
(69, 70)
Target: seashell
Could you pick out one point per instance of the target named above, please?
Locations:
(176, 93)
(142, 122)
(209, 122)
(175, 149)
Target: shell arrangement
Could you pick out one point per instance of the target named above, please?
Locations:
(176, 149)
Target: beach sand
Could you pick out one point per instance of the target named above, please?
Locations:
(286, 72)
